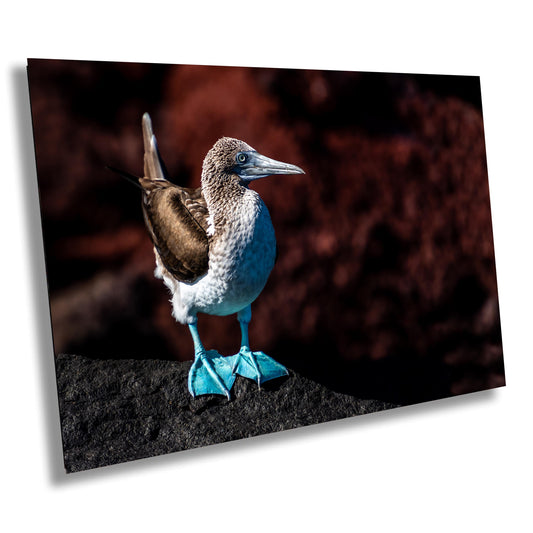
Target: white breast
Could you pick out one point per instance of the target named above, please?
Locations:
(241, 257)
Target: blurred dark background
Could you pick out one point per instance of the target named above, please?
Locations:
(385, 286)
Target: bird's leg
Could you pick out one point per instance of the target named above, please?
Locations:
(254, 365)
(246, 353)
(210, 372)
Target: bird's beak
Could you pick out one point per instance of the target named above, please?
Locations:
(259, 166)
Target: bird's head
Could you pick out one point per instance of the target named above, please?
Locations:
(234, 161)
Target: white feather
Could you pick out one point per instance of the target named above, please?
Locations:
(210, 226)
(240, 261)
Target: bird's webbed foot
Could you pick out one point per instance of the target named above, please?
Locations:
(256, 365)
(210, 373)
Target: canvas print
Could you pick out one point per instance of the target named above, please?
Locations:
(235, 251)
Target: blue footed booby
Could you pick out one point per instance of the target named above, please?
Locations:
(214, 249)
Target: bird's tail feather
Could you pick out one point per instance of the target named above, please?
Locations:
(154, 168)
(130, 177)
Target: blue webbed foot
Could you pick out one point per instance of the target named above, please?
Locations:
(256, 365)
(210, 373)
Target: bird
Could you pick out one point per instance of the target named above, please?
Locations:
(214, 248)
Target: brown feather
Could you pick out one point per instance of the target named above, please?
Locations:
(176, 219)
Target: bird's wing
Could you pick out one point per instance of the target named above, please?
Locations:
(176, 221)
(176, 217)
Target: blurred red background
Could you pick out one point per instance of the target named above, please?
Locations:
(385, 286)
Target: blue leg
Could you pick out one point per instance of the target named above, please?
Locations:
(253, 365)
(210, 373)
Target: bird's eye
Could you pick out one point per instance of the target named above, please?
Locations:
(242, 158)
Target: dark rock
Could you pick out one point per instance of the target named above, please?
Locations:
(114, 411)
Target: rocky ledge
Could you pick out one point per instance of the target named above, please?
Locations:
(114, 411)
